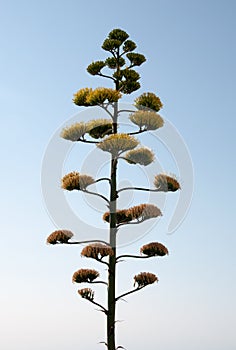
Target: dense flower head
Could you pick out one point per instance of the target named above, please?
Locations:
(145, 211)
(97, 251)
(166, 183)
(89, 97)
(129, 45)
(86, 293)
(75, 131)
(95, 67)
(145, 278)
(76, 181)
(140, 212)
(154, 249)
(118, 143)
(118, 34)
(148, 100)
(147, 120)
(85, 275)
(100, 95)
(98, 128)
(114, 63)
(122, 216)
(136, 59)
(59, 236)
(143, 156)
(80, 97)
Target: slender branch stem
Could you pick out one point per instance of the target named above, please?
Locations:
(97, 282)
(97, 304)
(105, 108)
(89, 241)
(130, 292)
(103, 179)
(125, 110)
(138, 189)
(134, 256)
(131, 223)
(102, 262)
(87, 141)
(97, 194)
(106, 76)
(137, 132)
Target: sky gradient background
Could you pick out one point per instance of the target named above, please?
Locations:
(190, 49)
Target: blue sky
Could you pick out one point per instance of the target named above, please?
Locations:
(190, 49)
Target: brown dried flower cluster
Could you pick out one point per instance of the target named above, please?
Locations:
(154, 249)
(86, 293)
(118, 143)
(145, 278)
(84, 275)
(166, 183)
(145, 211)
(97, 251)
(121, 216)
(60, 236)
(139, 212)
(76, 181)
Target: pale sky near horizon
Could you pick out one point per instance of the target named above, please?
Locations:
(190, 50)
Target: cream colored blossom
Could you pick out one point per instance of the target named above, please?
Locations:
(118, 143)
(147, 120)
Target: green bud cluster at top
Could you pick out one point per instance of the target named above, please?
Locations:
(125, 78)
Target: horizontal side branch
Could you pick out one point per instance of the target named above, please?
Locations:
(134, 256)
(88, 241)
(138, 189)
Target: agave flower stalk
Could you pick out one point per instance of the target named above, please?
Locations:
(103, 133)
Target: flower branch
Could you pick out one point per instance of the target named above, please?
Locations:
(130, 292)
(96, 194)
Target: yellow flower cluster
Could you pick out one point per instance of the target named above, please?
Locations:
(154, 249)
(97, 251)
(88, 97)
(145, 278)
(147, 120)
(138, 212)
(166, 183)
(118, 143)
(143, 156)
(76, 181)
(84, 275)
(86, 293)
(80, 97)
(59, 236)
(148, 100)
